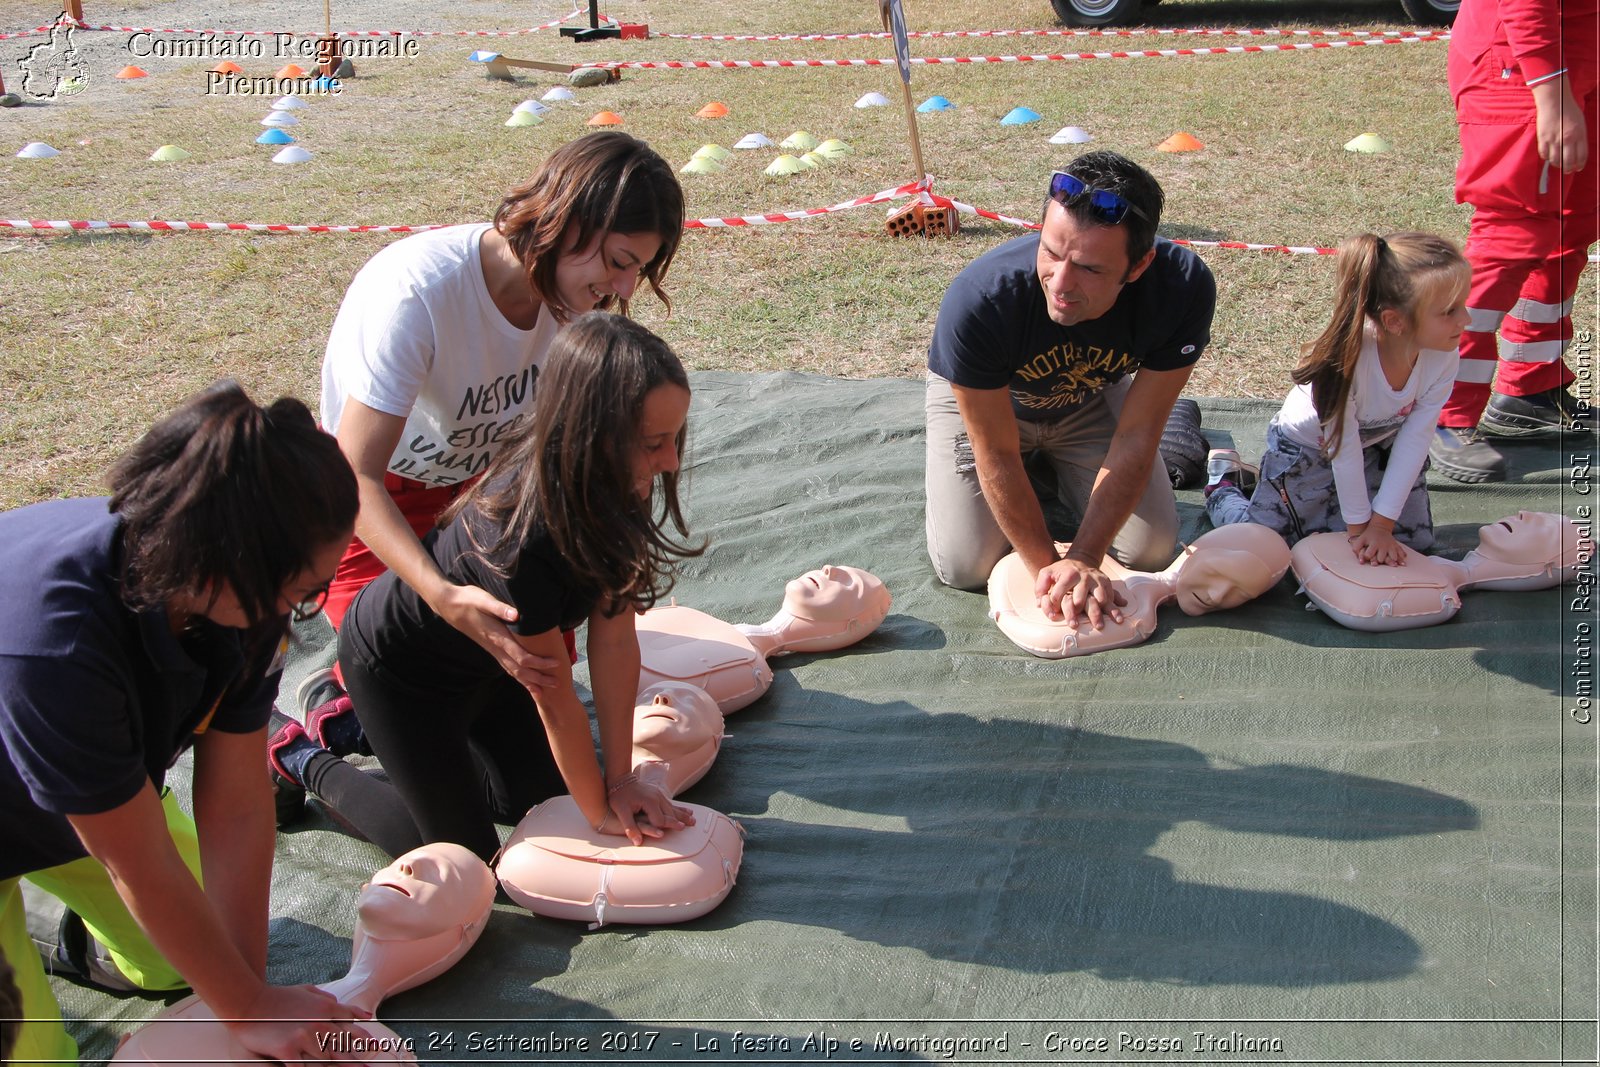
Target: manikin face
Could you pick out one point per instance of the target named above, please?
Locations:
(611, 266)
(1529, 537)
(666, 407)
(1219, 580)
(1082, 266)
(829, 594)
(425, 892)
(674, 720)
(1228, 566)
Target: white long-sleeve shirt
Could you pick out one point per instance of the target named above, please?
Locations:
(1374, 413)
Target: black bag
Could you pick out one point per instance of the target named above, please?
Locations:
(1184, 447)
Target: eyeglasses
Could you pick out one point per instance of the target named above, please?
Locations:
(1109, 208)
(311, 606)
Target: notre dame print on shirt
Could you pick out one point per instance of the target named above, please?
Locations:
(1071, 373)
(993, 331)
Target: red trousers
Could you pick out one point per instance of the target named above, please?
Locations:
(1529, 239)
(421, 504)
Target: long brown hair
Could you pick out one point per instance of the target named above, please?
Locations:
(605, 182)
(568, 466)
(225, 490)
(1375, 274)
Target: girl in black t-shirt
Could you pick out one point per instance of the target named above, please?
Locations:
(569, 524)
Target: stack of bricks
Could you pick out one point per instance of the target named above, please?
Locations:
(917, 218)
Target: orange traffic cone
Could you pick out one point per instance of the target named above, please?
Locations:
(714, 110)
(606, 118)
(227, 66)
(1180, 142)
(131, 71)
(291, 70)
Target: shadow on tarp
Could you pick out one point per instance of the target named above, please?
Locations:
(1006, 829)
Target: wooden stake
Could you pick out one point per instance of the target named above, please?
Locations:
(916, 141)
(885, 13)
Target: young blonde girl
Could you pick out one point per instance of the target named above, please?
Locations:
(1348, 448)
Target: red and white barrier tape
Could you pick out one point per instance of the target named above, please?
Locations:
(337, 33)
(1171, 31)
(191, 227)
(908, 189)
(765, 219)
(1149, 53)
(1298, 250)
(922, 189)
(1175, 31)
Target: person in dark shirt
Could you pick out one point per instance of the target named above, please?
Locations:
(568, 525)
(137, 628)
(1072, 343)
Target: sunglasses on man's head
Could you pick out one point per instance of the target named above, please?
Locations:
(1109, 208)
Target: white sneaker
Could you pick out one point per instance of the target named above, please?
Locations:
(1224, 463)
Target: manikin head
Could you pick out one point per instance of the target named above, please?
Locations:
(672, 720)
(1533, 538)
(834, 594)
(429, 890)
(414, 920)
(1228, 566)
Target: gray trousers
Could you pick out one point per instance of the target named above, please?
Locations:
(1296, 495)
(965, 541)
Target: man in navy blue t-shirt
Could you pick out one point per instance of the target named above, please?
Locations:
(1072, 344)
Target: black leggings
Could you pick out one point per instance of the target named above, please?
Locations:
(459, 761)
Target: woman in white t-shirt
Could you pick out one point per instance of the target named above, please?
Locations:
(1347, 450)
(437, 346)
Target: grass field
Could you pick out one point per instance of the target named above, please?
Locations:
(103, 332)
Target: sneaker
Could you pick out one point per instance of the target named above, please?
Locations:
(319, 687)
(1458, 452)
(1520, 416)
(79, 958)
(289, 793)
(1224, 467)
(329, 716)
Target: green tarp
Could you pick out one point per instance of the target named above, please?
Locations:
(1257, 837)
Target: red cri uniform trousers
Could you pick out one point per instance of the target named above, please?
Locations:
(421, 504)
(1531, 225)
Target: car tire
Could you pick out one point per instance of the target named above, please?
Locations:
(1432, 12)
(1105, 12)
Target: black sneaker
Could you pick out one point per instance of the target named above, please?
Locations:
(1459, 453)
(79, 958)
(288, 795)
(329, 716)
(1521, 416)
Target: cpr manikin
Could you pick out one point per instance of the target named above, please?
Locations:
(1224, 568)
(556, 864)
(693, 669)
(414, 920)
(1528, 550)
(825, 609)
